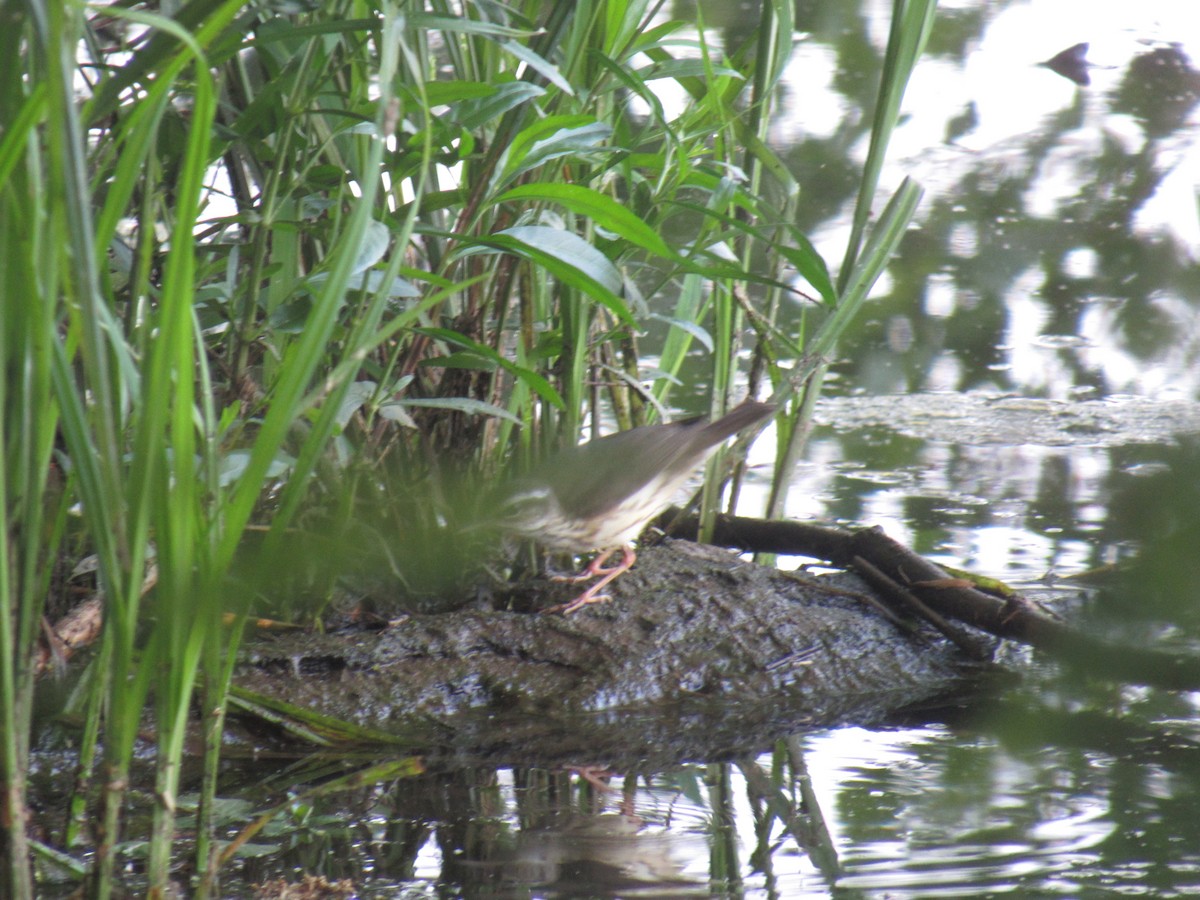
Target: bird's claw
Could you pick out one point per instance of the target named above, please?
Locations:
(575, 605)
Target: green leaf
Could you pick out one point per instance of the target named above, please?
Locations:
(467, 405)
(440, 93)
(394, 412)
(546, 69)
(653, 38)
(12, 140)
(374, 244)
(550, 138)
(695, 329)
(635, 85)
(234, 463)
(809, 263)
(535, 381)
(685, 68)
(308, 724)
(571, 259)
(464, 360)
(373, 281)
(468, 26)
(476, 112)
(356, 395)
(600, 208)
(569, 248)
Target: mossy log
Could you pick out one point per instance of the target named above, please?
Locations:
(698, 653)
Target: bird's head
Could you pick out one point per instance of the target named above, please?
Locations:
(526, 508)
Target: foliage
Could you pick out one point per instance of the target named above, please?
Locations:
(290, 267)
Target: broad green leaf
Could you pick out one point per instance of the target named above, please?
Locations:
(546, 69)
(809, 263)
(695, 329)
(548, 139)
(600, 208)
(372, 281)
(374, 244)
(394, 412)
(478, 111)
(234, 463)
(443, 93)
(570, 259)
(356, 395)
(571, 249)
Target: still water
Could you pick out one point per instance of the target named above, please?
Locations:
(1056, 259)
(1055, 262)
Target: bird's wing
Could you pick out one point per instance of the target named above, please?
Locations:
(594, 477)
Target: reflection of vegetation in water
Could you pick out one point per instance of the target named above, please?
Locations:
(477, 828)
(1041, 236)
(1156, 515)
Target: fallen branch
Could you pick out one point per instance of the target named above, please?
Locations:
(954, 598)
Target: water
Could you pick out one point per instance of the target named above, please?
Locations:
(1055, 262)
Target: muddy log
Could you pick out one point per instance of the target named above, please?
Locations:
(698, 652)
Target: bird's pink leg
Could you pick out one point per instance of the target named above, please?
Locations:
(594, 568)
(592, 594)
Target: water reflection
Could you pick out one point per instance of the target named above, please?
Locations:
(1056, 245)
(1056, 258)
(1029, 796)
(967, 819)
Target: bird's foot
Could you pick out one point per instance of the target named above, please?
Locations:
(577, 577)
(575, 605)
(595, 569)
(605, 573)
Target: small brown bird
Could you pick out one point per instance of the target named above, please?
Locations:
(600, 495)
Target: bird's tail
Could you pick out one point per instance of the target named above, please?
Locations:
(741, 416)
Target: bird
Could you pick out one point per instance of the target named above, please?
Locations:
(1072, 64)
(600, 495)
